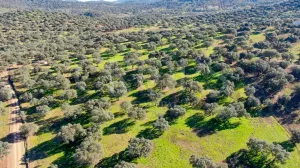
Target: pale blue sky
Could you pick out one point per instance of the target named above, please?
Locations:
(97, 0)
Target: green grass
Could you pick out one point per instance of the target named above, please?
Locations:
(254, 38)
(4, 124)
(177, 144)
(210, 50)
(37, 142)
(174, 148)
(296, 49)
(115, 58)
(43, 143)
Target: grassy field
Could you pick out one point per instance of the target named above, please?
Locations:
(174, 148)
(176, 145)
(296, 49)
(254, 38)
(187, 136)
(136, 29)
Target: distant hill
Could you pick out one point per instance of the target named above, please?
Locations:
(146, 7)
(117, 1)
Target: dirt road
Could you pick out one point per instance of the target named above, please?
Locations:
(17, 147)
(15, 159)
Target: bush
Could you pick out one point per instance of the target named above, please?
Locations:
(4, 149)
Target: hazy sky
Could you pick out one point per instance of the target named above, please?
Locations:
(97, 0)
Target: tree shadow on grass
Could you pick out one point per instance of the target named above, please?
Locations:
(248, 159)
(130, 80)
(67, 160)
(211, 81)
(33, 117)
(119, 127)
(195, 121)
(149, 123)
(50, 148)
(114, 159)
(172, 99)
(50, 125)
(141, 97)
(204, 128)
(166, 50)
(55, 123)
(149, 133)
(238, 159)
(288, 145)
(109, 161)
(83, 99)
(171, 119)
(29, 110)
(189, 70)
(119, 114)
(45, 149)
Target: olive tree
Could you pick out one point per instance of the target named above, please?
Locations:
(203, 68)
(295, 135)
(117, 89)
(192, 86)
(69, 94)
(126, 106)
(210, 108)
(227, 88)
(252, 101)
(6, 93)
(100, 116)
(124, 164)
(28, 129)
(266, 153)
(89, 152)
(137, 113)
(70, 132)
(161, 124)
(42, 110)
(71, 112)
(202, 162)
(139, 147)
(176, 111)
(166, 81)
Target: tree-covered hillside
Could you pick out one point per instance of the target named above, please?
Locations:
(151, 87)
